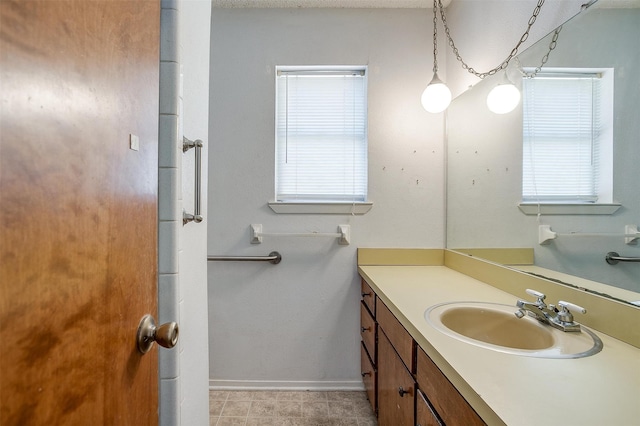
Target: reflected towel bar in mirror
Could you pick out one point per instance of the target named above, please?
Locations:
(545, 234)
(613, 258)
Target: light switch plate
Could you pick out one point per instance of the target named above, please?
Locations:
(134, 142)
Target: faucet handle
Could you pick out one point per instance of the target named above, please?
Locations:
(538, 295)
(567, 306)
(564, 316)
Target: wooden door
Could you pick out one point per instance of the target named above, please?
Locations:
(78, 210)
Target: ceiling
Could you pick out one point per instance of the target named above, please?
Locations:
(391, 4)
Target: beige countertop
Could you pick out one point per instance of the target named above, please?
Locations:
(603, 389)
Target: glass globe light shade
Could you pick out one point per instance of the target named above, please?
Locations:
(436, 97)
(503, 98)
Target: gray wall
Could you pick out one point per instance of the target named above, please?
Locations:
(296, 324)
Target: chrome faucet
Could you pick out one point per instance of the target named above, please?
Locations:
(561, 319)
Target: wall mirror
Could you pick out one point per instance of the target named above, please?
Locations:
(485, 163)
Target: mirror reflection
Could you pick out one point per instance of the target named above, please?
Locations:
(488, 152)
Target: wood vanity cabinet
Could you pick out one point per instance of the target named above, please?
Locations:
(403, 384)
(369, 344)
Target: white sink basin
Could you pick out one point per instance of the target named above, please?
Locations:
(494, 326)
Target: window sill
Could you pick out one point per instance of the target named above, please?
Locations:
(568, 209)
(358, 208)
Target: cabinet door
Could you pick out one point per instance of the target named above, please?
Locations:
(425, 415)
(368, 297)
(368, 328)
(369, 376)
(452, 408)
(400, 339)
(396, 387)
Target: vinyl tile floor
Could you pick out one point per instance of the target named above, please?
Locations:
(281, 408)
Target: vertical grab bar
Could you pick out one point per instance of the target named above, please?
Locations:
(186, 146)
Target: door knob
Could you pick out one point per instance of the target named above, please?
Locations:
(165, 335)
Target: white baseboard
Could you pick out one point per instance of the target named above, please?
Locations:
(355, 385)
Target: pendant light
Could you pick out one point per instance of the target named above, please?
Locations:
(437, 96)
(503, 98)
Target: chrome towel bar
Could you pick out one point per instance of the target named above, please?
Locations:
(186, 146)
(274, 258)
(613, 258)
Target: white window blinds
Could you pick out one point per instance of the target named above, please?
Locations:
(321, 135)
(561, 132)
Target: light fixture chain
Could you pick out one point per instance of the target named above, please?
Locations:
(545, 58)
(504, 63)
(435, 37)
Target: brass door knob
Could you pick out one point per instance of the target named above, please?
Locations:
(165, 335)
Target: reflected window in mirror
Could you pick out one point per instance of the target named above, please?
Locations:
(567, 137)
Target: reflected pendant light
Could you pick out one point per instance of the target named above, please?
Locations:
(503, 98)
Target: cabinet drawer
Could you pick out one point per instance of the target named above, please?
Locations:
(445, 398)
(396, 387)
(396, 333)
(368, 297)
(368, 331)
(425, 415)
(369, 376)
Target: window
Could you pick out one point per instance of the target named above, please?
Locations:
(567, 137)
(321, 135)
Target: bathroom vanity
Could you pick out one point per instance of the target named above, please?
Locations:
(415, 374)
(404, 373)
